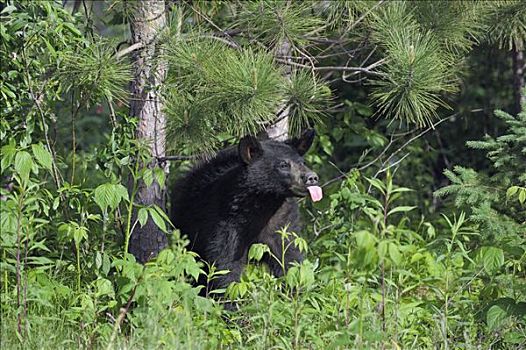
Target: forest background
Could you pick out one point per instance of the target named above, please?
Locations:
(419, 242)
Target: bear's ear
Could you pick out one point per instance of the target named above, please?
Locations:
(302, 143)
(249, 149)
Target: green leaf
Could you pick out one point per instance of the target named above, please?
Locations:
(326, 144)
(511, 191)
(431, 232)
(495, 317)
(400, 209)
(162, 213)
(122, 193)
(364, 239)
(102, 196)
(148, 177)
(23, 164)
(382, 249)
(125, 160)
(242, 289)
(72, 28)
(79, 233)
(416, 257)
(522, 196)
(56, 203)
(402, 189)
(8, 154)
(142, 216)
(293, 276)
(98, 260)
(306, 274)
(394, 254)
(42, 155)
(193, 269)
(157, 219)
(377, 184)
(301, 244)
(109, 195)
(257, 250)
(492, 258)
(160, 176)
(104, 288)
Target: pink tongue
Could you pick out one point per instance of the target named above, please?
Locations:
(316, 193)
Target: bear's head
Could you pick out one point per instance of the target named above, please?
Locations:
(278, 168)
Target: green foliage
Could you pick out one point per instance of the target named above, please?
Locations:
(344, 14)
(94, 72)
(508, 24)
(26, 56)
(205, 98)
(307, 98)
(109, 196)
(379, 271)
(434, 282)
(484, 195)
(457, 25)
(276, 22)
(416, 73)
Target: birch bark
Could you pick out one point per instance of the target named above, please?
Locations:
(146, 105)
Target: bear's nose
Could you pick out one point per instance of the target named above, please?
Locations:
(311, 178)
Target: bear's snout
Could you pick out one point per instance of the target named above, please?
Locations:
(310, 178)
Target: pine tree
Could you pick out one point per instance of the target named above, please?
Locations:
(495, 199)
(412, 56)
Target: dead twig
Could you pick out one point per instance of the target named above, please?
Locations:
(355, 70)
(129, 49)
(382, 167)
(122, 314)
(225, 33)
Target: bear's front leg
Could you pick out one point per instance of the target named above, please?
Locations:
(279, 263)
(222, 281)
(227, 252)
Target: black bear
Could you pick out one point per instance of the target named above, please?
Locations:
(243, 196)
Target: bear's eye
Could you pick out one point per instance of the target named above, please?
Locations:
(284, 164)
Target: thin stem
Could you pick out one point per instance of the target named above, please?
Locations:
(77, 248)
(74, 143)
(382, 264)
(128, 221)
(283, 254)
(130, 210)
(18, 267)
(26, 250)
(113, 117)
(296, 323)
(6, 284)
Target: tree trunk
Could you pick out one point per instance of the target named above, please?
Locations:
(518, 78)
(280, 129)
(146, 105)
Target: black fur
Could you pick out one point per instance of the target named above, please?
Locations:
(240, 197)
